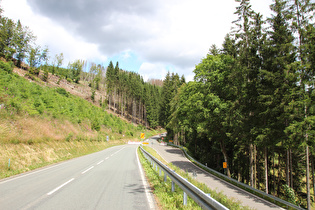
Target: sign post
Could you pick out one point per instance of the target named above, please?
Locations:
(225, 167)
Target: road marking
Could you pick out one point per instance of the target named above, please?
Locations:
(149, 197)
(34, 172)
(100, 162)
(53, 191)
(106, 158)
(118, 151)
(87, 170)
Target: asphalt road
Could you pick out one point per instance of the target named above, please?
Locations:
(176, 157)
(110, 179)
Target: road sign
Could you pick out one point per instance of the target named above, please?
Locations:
(142, 135)
(170, 141)
(145, 143)
(224, 165)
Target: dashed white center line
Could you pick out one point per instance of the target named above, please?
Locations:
(100, 162)
(87, 170)
(106, 158)
(51, 192)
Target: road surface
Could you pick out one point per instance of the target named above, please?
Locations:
(110, 179)
(176, 157)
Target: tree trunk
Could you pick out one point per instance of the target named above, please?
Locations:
(114, 100)
(251, 165)
(266, 170)
(225, 157)
(287, 168)
(255, 166)
(313, 176)
(279, 174)
(308, 178)
(274, 175)
(291, 169)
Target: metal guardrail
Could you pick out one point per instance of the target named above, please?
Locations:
(237, 183)
(201, 198)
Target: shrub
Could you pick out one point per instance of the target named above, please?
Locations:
(45, 76)
(6, 67)
(62, 91)
(96, 125)
(69, 80)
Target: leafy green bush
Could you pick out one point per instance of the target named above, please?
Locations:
(62, 91)
(6, 67)
(96, 125)
(69, 80)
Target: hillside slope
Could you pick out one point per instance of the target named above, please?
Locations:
(42, 124)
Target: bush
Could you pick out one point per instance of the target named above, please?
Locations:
(6, 67)
(45, 76)
(96, 125)
(62, 91)
(69, 80)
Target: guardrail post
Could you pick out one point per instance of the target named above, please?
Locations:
(173, 186)
(165, 177)
(185, 199)
(160, 172)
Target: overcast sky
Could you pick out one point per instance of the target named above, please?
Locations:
(150, 37)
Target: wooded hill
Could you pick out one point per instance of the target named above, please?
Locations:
(121, 91)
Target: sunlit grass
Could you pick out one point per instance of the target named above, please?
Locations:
(165, 196)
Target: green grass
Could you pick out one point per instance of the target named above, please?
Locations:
(25, 157)
(166, 199)
(41, 125)
(163, 190)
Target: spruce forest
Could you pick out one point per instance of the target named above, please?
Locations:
(251, 103)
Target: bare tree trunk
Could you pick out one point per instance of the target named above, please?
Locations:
(255, 166)
(308, 178)
(279, 174)
(266, 170)
(251, 165)
(274, 176)
(114, 100)
(225, 157)
(291, 169)
(238, 170)
(313, 174)
(287, 168)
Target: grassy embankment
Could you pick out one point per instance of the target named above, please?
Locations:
(40, 125)
(174, 200)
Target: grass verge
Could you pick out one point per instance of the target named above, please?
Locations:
(174, 200)
(165, 198)
(22, 157)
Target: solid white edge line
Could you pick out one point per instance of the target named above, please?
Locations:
(149, 197)
(53, 191)
(87, 170)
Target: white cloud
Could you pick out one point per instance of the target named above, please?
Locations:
(160, 33)
(51, 34)
(152, 71)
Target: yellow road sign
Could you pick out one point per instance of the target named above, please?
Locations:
(142, 135)
(145, 142)
(224, 165)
